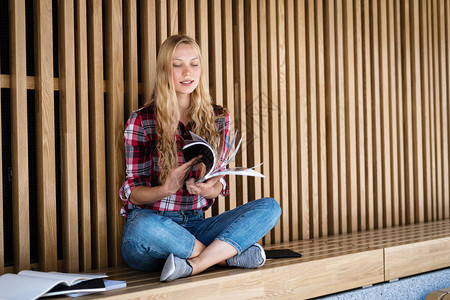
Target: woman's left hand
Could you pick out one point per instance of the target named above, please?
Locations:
(209, 189)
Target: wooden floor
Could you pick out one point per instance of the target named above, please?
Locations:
(328, 265)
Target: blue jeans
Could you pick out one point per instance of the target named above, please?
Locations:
(150, 236)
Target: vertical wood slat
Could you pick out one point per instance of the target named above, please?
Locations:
(216, 71)
(425, 108)
(19, 137)
(115, 125)
(407, 87)
(68, 122)
(385, 116)
(188, 17)
(282, 126)
(239, 92)
(377, 112)
(400, 109)
(341, 119)
(202, 37)
(148, 52)
(274, 108)
(417, 110)
(438, 209)
(228, 86)
(445, 95)
(172, 7)
(360, 107)
(351, 121)
(131, 57)
(447, 110)
(2, 213)
(369, 157)
(313, 122)
(252, 99)
(97, 136)
(302, 122)
(291, 111)
(392, 95)
(332, 129)
(161, 21)
(45, 136)
(265, 104)
(323, 199)
(203, 34)
(252, 96)
(84, 190)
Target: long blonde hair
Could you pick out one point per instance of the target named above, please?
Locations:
(165, 98)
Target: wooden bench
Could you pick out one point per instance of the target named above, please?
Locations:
(328, 265)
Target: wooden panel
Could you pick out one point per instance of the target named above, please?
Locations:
(406, 260)
(45, 137)
(340, 273)
(97, 136)
(346, 103)
(68, 121)
(84, 190)
(114, 126)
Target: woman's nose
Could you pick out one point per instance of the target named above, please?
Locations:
(187, 71)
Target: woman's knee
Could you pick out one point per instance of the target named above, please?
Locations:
(271, 206)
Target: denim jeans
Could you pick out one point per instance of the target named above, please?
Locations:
(150, 236)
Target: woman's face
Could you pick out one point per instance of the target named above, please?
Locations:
(186, 69)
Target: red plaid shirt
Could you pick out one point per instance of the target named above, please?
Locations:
(141, 158)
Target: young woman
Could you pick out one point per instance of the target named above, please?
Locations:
(163, 204)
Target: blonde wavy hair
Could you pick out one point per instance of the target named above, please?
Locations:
(168, 115)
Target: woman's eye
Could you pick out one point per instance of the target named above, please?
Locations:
(195, 65)
(176, 66)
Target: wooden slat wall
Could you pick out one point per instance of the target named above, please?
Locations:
(345, 102)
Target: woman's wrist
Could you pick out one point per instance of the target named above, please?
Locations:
(215, 191)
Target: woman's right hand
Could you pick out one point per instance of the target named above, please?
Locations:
(177, 176)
